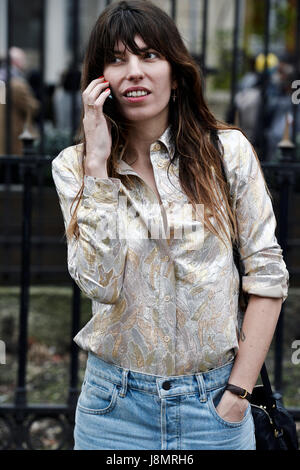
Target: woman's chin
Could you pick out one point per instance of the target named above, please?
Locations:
(138, 115)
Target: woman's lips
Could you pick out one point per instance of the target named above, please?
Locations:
(136, 99)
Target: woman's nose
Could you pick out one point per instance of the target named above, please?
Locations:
(134, 68)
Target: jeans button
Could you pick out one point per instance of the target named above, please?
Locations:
(166, 385)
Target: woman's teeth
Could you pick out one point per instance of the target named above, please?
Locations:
(136, 93)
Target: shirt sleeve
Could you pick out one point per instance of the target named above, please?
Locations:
(96, 259)
(265, 270)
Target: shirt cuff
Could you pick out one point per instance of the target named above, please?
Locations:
(103, 190)
(277, 291)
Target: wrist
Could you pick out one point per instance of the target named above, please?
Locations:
(94, 169)
(245, 380)
(234, 401)
(233, 397)
(240, 392)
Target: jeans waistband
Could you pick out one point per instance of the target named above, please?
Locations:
(164, 386)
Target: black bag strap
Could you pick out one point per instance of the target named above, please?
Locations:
(266, 381)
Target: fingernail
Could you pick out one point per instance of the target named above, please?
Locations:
(102, 76)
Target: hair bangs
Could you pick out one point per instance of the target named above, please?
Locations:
(123, 26)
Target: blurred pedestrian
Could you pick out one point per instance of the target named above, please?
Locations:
(63, 96)
(279, 105)
(24, 105)
(248, 101)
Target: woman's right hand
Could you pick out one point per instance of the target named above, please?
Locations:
(97, 128)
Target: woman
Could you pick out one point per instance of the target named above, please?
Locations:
(165, 338)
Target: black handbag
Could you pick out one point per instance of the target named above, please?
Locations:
(275, 428)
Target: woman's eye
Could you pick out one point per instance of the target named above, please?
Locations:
(114, 60)
(151, 53)
(147, 55)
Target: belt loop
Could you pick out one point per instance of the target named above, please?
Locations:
(124, 383)
(202, 389)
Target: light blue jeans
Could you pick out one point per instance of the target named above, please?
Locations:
(121, 409)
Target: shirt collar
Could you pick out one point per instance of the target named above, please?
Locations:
(167, 139)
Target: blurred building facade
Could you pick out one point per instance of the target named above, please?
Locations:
(207, 27)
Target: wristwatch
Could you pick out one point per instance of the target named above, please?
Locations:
(241, 392)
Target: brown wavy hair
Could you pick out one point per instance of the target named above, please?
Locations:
(194, 128)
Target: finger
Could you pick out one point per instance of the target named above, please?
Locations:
(93, 83)
(92, 97)
(97, 91)
(91, 86)
(103, 96)
(98, 104)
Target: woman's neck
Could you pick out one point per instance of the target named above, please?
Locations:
(140, 139)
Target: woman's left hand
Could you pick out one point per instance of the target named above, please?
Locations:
(231, 407)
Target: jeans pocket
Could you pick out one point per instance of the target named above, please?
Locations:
(214, 397)
(97, 396)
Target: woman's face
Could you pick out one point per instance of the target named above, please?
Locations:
(149, 71)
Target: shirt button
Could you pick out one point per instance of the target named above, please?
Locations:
(166, 339)
(156, 147)
(167, 298)
(166, 385)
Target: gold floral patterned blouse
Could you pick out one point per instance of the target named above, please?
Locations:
(164, 305)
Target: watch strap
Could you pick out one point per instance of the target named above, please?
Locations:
(241, 392)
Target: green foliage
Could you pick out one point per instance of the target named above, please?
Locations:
(222, 79)
(49, 319)
(49, 340)
(285, 20)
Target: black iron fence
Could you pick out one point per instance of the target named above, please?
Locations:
(30, 174)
